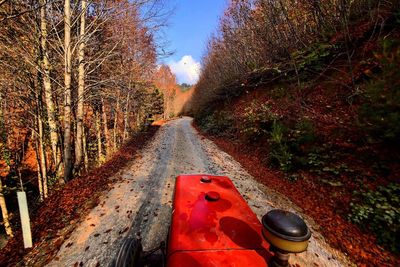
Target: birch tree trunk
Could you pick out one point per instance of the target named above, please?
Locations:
(51, 116)
(40, 182)
(81, 89)
(4, 212)
(105, 126)
(67, 92)
(85, 154)
(115, 130)
(126, 118)
(98, 133)
(41, 150)
(42, 155)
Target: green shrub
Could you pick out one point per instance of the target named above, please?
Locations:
(219, 123)
(279, 149)
(300, 138)
(286, 143)
(257, 121)
(279, 92)
(380, 115)
(304, 132)
(314, 57)
(379, 211)
(315, 162)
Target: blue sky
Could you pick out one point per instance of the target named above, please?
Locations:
(189, 29)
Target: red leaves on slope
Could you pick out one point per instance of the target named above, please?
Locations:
(55, 218)
(317, 201)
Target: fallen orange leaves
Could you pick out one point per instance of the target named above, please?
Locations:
(55, 219)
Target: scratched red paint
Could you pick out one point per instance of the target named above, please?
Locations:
(213, 233)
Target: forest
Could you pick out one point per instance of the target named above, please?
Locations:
(306, 96)
(77, 80)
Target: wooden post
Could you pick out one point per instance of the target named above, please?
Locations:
(25, 222)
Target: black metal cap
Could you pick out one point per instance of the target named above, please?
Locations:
(286, 225)
(212, 196)
(205, 179)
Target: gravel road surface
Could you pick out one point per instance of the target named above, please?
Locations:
(141, 203)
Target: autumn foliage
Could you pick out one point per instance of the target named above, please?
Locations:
(304, 94)
(77, 81)
(262, 41)
(55, 220)
(174, 97)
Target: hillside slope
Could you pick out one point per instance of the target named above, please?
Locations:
(325, 134)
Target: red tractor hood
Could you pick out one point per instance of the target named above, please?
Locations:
(212, 225)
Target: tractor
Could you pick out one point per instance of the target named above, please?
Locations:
(212, 225)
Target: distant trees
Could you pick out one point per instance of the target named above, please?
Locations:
(166, 81)
(76, 79)
(175, 95)
(256, 36)
(185, 86)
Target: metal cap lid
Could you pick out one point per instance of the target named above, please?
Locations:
(205, 179)
(286, 225)
(212, 196)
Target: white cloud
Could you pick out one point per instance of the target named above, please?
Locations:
(187, 70)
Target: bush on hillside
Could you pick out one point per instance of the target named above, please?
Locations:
(286, 140)
(379, 211)
(314, 57)
(380, 115)
(257, 121)
(219, 123)
(288, 143)
(279, 148)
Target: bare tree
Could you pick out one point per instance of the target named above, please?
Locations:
(51, 115)
(67, 92)
(81, 89)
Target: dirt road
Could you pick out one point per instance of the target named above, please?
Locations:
(141, 203)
